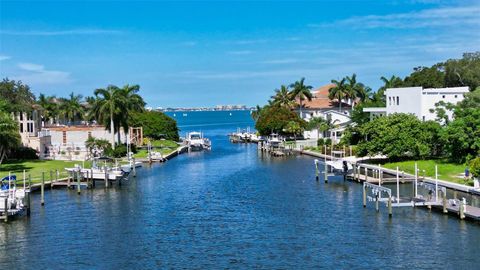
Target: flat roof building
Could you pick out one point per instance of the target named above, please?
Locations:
(417, 101)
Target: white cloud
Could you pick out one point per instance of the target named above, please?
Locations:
(4, 57)
(435, 17)
(61, 32)
(37, 75)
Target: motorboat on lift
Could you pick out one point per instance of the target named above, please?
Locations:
(196, 142)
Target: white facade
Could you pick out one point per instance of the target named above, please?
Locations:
(339, 119)
(68, 142)
(418, 101)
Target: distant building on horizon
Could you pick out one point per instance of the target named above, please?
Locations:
(417, 101)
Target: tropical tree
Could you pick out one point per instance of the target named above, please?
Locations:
(338, 92)
(275, 119)
(320, 124)
(293, 127)
(133, 103)
(283, 97)
(301, 92)
(17, 96)
(9, 136)
(72, 108)
(354, 89)
(391, 82)
(109, 103)
(48, 107)
(256, 113)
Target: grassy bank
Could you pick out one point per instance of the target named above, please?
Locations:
(36, 167)
(162, 146)
(446, 171)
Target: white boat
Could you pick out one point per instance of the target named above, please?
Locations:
(340, 166)
(274, 140)
(15, 197)
(196, 142)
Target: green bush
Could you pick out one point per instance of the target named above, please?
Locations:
(328, 141)
(475, 167)
(23, 152)
(320, 142)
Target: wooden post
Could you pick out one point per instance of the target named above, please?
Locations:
(462, 210)
(134, 169)
(376, 203)
(398, 187)
(5, 204)
(42, 190)
(364, 196)
(68, 179)
(27, 195)
(51, 179)
(326, 171)
(358, 173)
(366, 174)
(91, 175)
(444, 202)
(389, 206)
(79, 175)
(106, 177)
(316, 170)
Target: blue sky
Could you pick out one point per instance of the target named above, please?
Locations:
(203, 53)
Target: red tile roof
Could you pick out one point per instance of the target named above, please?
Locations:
(320, 99)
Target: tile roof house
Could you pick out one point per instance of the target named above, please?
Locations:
(322, 106)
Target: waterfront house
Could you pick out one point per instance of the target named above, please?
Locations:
(322, 106)
(417, 101)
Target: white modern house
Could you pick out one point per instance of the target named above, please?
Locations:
(322, 106)
(417, 101)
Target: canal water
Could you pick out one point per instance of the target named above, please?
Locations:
(235, 208)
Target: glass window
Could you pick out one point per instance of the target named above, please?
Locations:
(398, 100)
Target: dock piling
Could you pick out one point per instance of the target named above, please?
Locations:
(5, 205)
(462, 209)
(390, 206)
(364, 195)
(316, 169)
(79, 175)
(51, 180)
(444, 202)
(27, 196)
(106, 178)
(42, 190)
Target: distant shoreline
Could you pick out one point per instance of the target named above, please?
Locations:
(205, 110)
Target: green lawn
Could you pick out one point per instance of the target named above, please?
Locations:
(446, 171)
(163, 146)
(164, 143)
(36, 167)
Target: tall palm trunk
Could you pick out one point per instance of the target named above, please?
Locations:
(112, 131)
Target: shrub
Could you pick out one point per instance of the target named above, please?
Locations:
(475, 167)
(328, 141)
(23, 152)
(320, 142)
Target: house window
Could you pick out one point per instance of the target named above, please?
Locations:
(455, 96)
(423, 118)
(390, 101)
(89, 134)
(398, 101)
(21, 116)
(21, 127)
(443, 96)
(64, 133)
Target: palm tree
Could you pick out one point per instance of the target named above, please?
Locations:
(338, 92)
(282, 97)
(9, 136)
(49, 108)
(72, 107)
(356, 90)
(393, 82)
(109, 103)
(133, 103)
(256, 113)
(301, 91)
